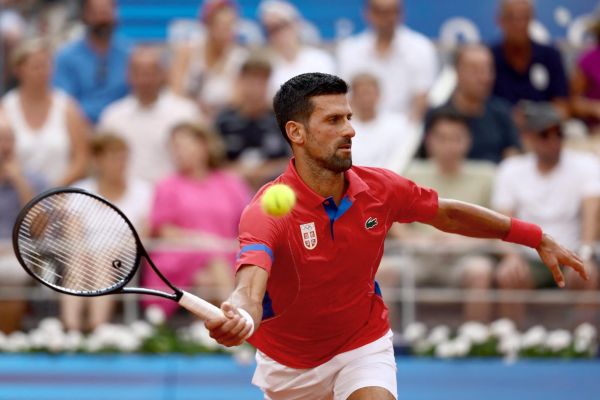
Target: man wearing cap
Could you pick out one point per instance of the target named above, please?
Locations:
(556, 188)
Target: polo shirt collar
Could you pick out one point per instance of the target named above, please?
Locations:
(308, 196)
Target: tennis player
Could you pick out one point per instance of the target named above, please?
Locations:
(307, 279)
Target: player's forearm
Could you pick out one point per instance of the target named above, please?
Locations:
(470, 220)
(251, 283)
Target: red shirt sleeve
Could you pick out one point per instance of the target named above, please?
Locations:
(258, 233)
(412, 203)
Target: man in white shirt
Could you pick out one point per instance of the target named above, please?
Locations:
(145, 117)
(404, 61)
(281, 22)
(555, 188)
(383, 139)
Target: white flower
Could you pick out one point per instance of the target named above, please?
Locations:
(244, 355)
(50, 325)
(17, 342)
(438, 335)
(200, 335)
(445, 350)
(38, 338)
(414, 332)
(92, 344)
(535, 336)
(127, 342)
(502, 327)
(155, 315)
(586, 331)
(2, 342)
(558, 340)
(475, 332)
(56, 343)
(510, 345)
(73, 340)
(582, 345)
(141, 329)
(461, 346)
(421, 346)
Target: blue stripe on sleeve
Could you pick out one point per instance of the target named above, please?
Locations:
(257, 246)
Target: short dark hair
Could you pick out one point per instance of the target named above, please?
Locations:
(292, 102)
(444, 113)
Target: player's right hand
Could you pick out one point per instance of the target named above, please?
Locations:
(230, 330)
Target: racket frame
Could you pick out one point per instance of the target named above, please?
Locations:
(119, 287)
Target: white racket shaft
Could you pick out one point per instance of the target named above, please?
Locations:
(205, 310)
(201, 308)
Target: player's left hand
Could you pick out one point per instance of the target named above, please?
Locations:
(554, 256)
(231, 330)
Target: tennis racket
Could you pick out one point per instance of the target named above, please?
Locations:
(79, 244)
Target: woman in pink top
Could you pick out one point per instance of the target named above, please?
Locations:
(195, 216)
(585, 85)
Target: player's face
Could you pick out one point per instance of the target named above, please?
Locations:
(328, 138)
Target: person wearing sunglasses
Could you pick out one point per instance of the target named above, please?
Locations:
(556, 188)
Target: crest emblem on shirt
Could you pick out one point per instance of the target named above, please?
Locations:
(309, 235)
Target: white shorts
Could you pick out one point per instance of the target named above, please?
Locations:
(370, 365)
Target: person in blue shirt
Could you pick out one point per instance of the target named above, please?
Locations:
(526, 70)
(93, 69)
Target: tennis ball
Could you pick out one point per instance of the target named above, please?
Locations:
(278, 200)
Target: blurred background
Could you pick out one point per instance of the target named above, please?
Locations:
(164, 108)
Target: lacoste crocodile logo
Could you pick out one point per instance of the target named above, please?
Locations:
(371, 223)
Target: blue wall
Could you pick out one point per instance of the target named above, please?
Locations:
(147, 19)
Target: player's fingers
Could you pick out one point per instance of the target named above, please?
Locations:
(236, 331)
(212, 324)
(574, 262)
(552, 264)
(223, 331)
(228, 309)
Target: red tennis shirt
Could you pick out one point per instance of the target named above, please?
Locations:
(322, 298)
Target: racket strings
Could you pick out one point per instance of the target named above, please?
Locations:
(78, 243)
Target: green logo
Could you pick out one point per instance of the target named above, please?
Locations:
(371, 223)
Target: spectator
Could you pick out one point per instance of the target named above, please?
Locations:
(585, 84)
(199, 205)
(51, 132)
(145, 118)
(253, 142)
(494, 134)
(449, 172)
(206, 70)
(12, 32)
(93, 69)
(383, 139)
(526, 70)
(281, 22)
(133, 197)
(525, 184)
(404, 61)
(17, 187)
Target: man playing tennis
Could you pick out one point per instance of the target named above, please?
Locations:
(307, 279)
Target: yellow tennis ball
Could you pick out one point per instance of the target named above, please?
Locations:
(278, 200)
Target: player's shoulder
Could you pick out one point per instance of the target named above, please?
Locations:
(379, 178)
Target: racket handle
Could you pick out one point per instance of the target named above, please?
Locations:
(201, 308)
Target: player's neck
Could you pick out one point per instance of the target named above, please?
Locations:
(324, 182)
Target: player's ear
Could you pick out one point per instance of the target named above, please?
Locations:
(295, 132)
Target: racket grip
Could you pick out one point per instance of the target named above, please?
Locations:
(199, 307)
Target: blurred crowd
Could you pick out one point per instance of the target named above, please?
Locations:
(180, 135)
